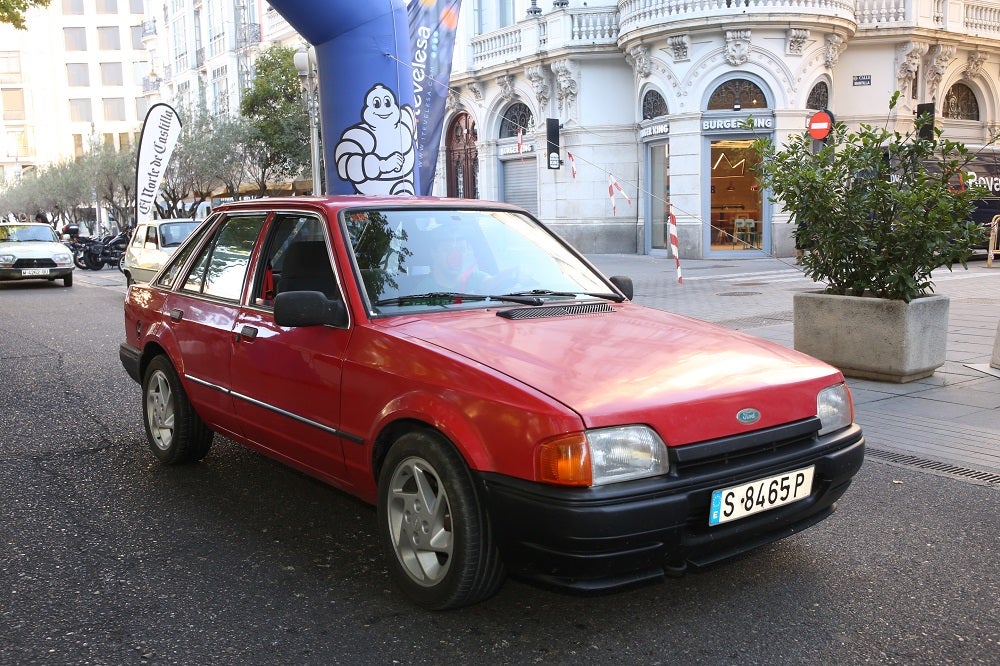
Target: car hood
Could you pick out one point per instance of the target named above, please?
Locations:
(687, 378)
(33, 249)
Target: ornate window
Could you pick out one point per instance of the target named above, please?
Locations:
(737, 92)
(960, 103)
(819, 97)
(653, 105)
(462, 157)
(517, 116)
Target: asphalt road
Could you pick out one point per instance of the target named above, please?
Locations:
(107, 557)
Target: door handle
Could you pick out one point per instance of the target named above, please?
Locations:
(247, 332)
(176, 315)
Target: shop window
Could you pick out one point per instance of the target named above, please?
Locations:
(737, 94)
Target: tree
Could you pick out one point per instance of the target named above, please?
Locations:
(278, 137)
(12, 11)
(878, 209)
(113, 175)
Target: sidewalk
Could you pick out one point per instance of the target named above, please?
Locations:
(948, 423)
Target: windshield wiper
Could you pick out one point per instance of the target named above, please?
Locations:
(548, 292)
(451, 297)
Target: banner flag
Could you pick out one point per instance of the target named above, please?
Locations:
(432, 42)
(160, 132)
(613, 189)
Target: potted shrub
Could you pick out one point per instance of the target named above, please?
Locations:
(876, 211)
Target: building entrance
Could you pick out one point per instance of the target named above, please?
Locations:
(736, 200)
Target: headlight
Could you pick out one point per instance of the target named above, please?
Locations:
(63, 258)
(6, 260)
(602, 456)
(834, 408)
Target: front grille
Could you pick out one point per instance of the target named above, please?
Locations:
(741, 449)
(556, 311)
(35, 263)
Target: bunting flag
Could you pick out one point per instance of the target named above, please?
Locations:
(160, 132)
(672, 230)
(432, 41)
(613, 189)
(572, 164)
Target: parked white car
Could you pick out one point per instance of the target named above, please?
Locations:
(32, 251)
(150, 246)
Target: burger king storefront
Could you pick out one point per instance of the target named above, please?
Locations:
(709, 185)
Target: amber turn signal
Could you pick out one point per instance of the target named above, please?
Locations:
(565, 461)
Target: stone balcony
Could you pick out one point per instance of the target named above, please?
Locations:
(581, 29)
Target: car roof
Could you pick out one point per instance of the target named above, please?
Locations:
(335, 203)
(26, 224)
(169, 219)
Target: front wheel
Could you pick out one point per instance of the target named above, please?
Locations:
(175, 432)
(434, 532)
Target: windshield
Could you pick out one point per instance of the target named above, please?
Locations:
(435, 258)
(24, 233)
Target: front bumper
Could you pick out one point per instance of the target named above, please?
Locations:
(7, 274)
(607, 537)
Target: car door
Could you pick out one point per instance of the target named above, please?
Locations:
(203, 311)
(287, 381)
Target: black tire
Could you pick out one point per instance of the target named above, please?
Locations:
(80, 260)
(442, 556)
(175, 432)
(92, 262)
(128, 279)
(68, 280)
(121, 263)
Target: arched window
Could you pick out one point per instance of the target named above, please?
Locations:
(819, 97)
(653, 105)
(737, 93)
(517, 116)
(960, 103)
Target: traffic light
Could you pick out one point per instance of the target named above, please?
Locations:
(552, 142)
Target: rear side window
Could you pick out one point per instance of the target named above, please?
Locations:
(177, 261)
(221, 267)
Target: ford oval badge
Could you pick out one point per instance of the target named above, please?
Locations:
(748, 416)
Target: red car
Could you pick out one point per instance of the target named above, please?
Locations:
(505, 405)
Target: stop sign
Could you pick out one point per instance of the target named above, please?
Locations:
(820, 124)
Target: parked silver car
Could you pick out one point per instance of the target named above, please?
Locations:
(150, 246)
(32, 251)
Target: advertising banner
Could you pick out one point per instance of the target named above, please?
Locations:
(160, 132)
(366, 92)
(432, 42)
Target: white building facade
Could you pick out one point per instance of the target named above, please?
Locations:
(656, 94)
(71, 80)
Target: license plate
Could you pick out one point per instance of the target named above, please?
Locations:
(25, 272)
(749, 498)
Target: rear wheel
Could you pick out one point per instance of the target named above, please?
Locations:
(435, 533)
(176, 433)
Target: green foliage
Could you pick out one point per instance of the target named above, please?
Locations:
(877, 209)
(12, 11)
(278, 133)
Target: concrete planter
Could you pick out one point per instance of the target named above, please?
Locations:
(873, 338)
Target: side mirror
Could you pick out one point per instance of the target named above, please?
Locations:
(308, 308)
(624, 284)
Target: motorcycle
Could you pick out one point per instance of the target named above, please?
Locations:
(106, 251)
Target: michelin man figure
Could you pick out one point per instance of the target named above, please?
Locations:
(377, 155)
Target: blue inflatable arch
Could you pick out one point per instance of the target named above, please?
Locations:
(366, 92)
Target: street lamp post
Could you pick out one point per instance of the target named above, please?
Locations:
(305, 64)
